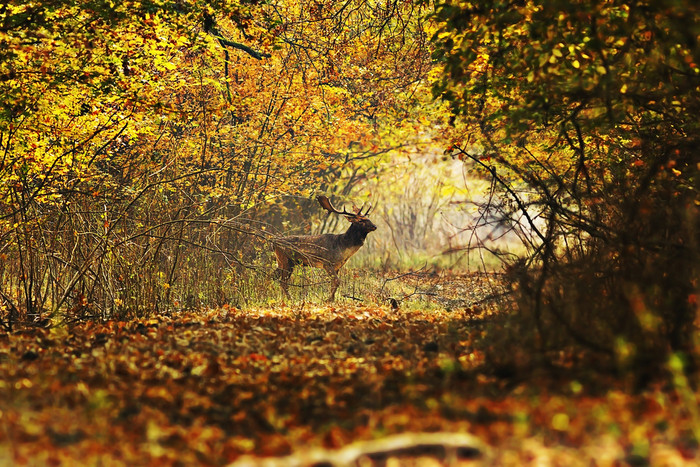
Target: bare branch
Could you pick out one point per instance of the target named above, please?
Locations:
(237, 45)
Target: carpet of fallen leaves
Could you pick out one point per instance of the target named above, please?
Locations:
(208, 387)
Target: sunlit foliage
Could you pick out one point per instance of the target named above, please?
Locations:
(140, 140)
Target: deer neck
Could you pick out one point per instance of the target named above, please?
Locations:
(355, 235)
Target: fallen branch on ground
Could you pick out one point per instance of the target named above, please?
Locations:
(448, 448)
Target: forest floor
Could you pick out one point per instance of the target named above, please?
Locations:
(307, 383)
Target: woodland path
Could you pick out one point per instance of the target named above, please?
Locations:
(211, 387)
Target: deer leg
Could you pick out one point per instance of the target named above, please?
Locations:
(284, 271)
(335, 282)
(284, 275)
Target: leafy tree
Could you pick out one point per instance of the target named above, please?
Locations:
(140, 140)
(585, 114)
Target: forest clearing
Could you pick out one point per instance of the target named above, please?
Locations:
(357, 232)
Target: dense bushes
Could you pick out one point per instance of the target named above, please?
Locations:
(584, 117)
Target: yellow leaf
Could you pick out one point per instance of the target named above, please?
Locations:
(560, 422)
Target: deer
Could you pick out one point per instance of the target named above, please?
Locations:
(327, 251)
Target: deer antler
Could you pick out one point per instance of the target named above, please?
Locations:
(326, 204)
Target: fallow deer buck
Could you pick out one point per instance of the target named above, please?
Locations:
(326, 251)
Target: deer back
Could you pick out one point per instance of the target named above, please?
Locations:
(321, 251)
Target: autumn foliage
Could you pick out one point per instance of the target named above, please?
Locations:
(584, 117)
(210, 388)
(152, 151)
(142, 143)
